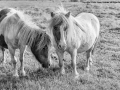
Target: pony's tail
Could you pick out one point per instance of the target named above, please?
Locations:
(96, 40)
(45, 40)
(93, 50)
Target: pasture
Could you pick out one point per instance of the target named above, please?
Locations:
(104, 74)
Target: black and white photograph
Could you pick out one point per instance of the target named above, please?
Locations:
(59, 44)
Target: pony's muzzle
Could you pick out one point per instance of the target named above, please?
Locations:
(63, 47)
(46, 65)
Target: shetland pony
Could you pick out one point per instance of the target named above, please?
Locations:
(74, 35)
(18, 31)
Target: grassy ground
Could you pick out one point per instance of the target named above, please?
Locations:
(105, 71)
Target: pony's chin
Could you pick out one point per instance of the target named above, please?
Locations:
(45, 66)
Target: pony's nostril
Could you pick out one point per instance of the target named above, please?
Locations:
(59, 46)
(48, 64)
(62, 47)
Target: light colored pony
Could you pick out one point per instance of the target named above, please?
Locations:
(74, 35)
(18, 31)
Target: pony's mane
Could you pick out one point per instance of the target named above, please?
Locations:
(26, 18)
(28, 32)
(31, 33)
(31, 37)
(61, 9)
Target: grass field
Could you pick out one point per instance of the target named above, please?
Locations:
(105, 71)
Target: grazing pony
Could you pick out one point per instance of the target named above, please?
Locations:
(18, 31)
(74, 35)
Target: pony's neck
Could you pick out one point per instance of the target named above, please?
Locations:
(36, 38)
(71, 30)
(74, 33)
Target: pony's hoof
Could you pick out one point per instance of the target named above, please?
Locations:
(77, 76)
(4, 62)
(15, 75)
(23, 73)
(63, 71)
(87, 69)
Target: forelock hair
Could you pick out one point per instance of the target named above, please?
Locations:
(59, 19)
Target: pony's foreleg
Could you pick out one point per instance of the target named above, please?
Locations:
(22, 49)
(50, 51)
(89, 59)
(73, 56)
(14, 60)
(3, 58)
(61, 63)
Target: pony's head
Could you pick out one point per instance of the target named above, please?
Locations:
(59, 27)
(40, 49)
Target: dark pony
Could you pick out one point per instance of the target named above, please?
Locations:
(18, 30)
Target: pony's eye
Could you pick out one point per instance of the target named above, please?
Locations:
(65, 28)
(55, 27)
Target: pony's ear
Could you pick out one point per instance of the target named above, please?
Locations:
(67, 15)
(52, 14)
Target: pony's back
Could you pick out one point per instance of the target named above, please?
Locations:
(89, 18)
